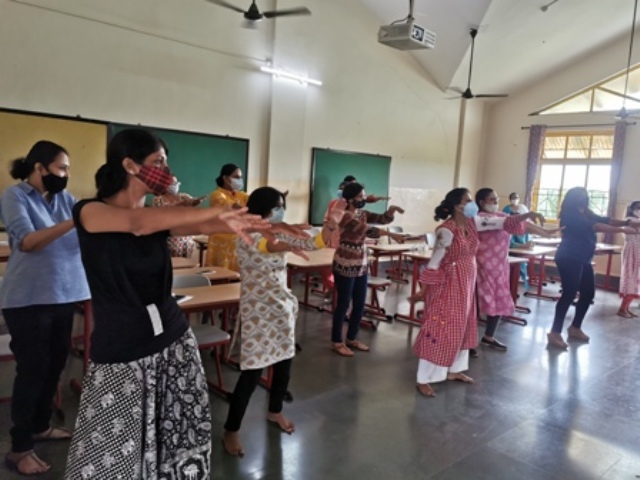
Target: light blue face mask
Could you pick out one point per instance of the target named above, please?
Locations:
(339, 194)
(236, 183)
(470, 210)
(277, 215)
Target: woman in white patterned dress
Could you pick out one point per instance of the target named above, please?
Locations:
(630, 274)
(268, 312)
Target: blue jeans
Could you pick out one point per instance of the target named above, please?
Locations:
(348, 289)
(576, 277)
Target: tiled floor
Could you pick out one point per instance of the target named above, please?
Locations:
(532, 413)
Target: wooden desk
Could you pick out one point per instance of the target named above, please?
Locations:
(214, 274)
(214, 297)
(202, 241)
(5, 251)
(182, 262)
(601, 249)
(546, 242)
(540, 253)
(391, 251)
(418, 258)
(318, 260)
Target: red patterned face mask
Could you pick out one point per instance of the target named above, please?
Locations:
(157, 179)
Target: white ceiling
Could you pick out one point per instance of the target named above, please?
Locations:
(517, 42)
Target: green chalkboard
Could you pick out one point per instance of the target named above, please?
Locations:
(196, 158)
(328, 169)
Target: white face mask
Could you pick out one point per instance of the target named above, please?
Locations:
(277, 215)
(491, 207)
(174, 188)
(236, 183)
(636, 213)
(515, 202)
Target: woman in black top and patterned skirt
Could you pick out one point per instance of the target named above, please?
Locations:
(144, 410)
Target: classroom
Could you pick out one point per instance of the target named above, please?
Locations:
(77, 72)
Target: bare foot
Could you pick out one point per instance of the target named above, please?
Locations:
(281, 421)
(231, 444)
(459, 377)
(425, 390)
(26, 463)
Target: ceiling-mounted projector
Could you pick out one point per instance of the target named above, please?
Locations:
(406, 36)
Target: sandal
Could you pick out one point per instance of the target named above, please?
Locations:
(459, 377)
(356, 345)
(279, 420)
(342, 349)
(425, 390)
(14, 461)
(624, 314)
(53, 434)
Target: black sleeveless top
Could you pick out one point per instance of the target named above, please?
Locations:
(127, 276)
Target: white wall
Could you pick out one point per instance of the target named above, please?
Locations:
(189, 65)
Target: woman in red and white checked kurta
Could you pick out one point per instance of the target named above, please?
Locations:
(449, 329)
(630, 272)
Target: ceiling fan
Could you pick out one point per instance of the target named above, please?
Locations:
(623, 113)
(467, 94)
(253, 14)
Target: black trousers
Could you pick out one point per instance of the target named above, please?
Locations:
(247, 383)
(576, 277)
(40, 342)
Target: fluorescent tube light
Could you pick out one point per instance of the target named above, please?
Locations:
(277, 72)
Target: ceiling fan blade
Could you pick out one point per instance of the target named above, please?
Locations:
(491, 95)
(287, 12)
(228, 5)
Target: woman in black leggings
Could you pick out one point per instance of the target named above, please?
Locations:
(573, 259)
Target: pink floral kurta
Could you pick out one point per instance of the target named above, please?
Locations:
(630, 274)
(494, 295)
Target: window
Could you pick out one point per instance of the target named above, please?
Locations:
(606, 96)
(573, 159)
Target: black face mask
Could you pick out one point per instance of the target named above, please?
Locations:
(54, 184)
(359, 203)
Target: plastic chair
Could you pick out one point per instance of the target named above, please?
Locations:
(208, 336)
(188, 281)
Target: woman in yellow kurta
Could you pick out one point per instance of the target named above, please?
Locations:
(221, 249)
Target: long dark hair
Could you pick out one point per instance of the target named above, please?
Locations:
(225, 171)
(631, 207)
(43, 152)
(136, 144)
(574, 201)
(451, 199)
(264, 199)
